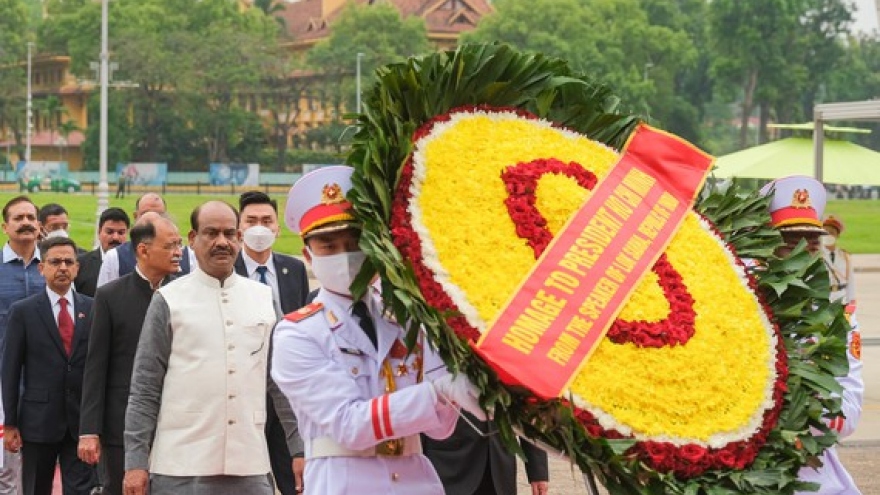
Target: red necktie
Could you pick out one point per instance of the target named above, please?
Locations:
(65, 325)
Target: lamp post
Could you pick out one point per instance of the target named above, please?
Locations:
(360, 57)
(30, 108)
(103, 189)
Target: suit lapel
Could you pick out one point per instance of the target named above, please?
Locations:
(80, 321)
(285, 280)
(240, 268)
(49, 323)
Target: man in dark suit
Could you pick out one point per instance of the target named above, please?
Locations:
(119, 311)
(46, 344)
(290, 285)
(112, 231)
(469, 463)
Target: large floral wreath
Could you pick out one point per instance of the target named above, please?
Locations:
(467, 164)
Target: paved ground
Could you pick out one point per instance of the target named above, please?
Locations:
(860, 452)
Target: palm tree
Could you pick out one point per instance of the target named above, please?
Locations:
(51, 109)
(270, 8)
(66, 127)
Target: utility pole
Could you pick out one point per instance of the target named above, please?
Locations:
(360, 56)
(30, 107)
(103, 189)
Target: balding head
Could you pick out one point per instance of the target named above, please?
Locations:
(149, 202)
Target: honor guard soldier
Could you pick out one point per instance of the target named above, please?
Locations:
(795, 210)
(361, 397)
(839, 263)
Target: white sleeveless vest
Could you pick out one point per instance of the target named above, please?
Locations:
(213, 407)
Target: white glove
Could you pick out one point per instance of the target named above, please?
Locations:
(457, 390)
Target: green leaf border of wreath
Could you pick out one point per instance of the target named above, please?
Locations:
(409, 94)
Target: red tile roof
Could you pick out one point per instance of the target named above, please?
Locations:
(305, 23)
(45, 138)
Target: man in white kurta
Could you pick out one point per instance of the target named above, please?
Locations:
(197, 407)
(360, 397)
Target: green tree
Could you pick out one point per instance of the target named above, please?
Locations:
(284, 85)
(825, 26)
(118, 133)
(227, 64)
(13, 78)
(750, 45)
(65, 129)
(641, 59)
(376, 30)
(52, 111)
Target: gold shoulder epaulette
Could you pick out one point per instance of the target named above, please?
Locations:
(304, 312)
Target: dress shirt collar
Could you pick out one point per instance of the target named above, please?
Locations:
(54, 297)
(251, 266)
(10, 255)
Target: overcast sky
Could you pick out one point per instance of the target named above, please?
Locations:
(866, 17)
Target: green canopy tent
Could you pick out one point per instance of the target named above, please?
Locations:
(844, 162)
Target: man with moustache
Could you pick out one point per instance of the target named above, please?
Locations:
(112, 231)
(20, 277)
(46, 342)
(121, 260)
(197, 409)
(287, 277)
(119, 311)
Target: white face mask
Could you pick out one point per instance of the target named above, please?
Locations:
(57, 233)
(336, 272)
(259, 238)
(829, 240)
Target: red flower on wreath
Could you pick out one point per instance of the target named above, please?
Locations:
(521, 181)
(685, 461)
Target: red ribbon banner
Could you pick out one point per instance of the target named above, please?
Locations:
(568, 302)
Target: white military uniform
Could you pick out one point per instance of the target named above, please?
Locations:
(335, 380)
(840, 273)
(833, 477)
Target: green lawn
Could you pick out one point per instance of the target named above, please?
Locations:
(861, 217)
(861, 220)
(83, 207)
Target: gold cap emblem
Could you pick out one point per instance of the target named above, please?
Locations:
(801, 199)
(332, 194)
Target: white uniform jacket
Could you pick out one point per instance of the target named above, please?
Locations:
(833, 477)
(329, 370)
(840, 274)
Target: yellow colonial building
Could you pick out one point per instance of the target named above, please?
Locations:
(59, 136)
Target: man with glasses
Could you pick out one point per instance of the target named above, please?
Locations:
(119, 311)
(46, 344)
(19, 278)
(121, 260)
